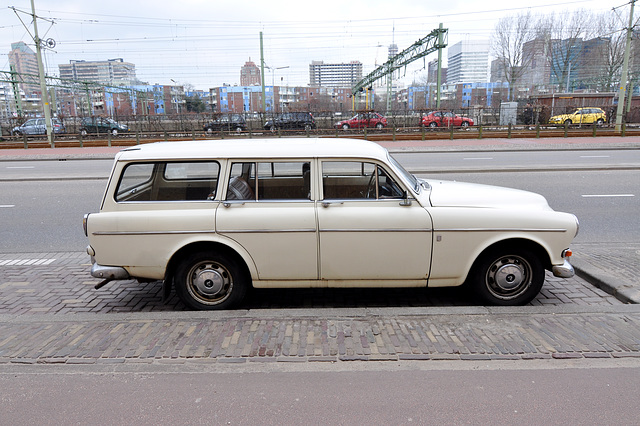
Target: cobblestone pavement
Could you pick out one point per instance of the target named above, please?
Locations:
(50, 313)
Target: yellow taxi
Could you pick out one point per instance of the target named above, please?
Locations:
(581, 116)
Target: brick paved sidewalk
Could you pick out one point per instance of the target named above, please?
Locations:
(50, 313)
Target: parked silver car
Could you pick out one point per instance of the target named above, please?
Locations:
(37, 126)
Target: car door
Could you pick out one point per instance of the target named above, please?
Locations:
(367, 231)
(268, 210)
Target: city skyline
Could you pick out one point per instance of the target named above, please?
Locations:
(203, 45)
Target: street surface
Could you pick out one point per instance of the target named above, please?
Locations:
(121, 355)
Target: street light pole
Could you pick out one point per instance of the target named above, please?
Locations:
(625, 71)
(273, 82)
(43, 83)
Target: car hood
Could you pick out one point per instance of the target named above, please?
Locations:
(459, 194)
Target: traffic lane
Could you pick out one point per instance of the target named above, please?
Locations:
(55, 169)
(46, 215)
(605, 201)
(497, 160)
(500, 393)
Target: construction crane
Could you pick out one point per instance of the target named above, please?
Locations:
(435, 40)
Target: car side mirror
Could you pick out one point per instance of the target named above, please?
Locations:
(405, 199)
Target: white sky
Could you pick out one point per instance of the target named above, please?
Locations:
(205, 42)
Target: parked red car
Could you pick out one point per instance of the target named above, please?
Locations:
(445, 119)
(363, 119)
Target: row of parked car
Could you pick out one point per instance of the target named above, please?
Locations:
(37, 126)
(305, 121)
(300, 120)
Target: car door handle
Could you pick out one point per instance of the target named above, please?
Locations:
(326, 204)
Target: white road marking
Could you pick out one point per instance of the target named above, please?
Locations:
(607, 195)
(26, 262)
(6, 206)
(479, 158)
(595, 156)
(20, 167)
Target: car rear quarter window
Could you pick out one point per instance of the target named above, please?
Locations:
(168, 181)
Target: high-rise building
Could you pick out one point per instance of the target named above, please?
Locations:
(111, 72)
(334, 75)
(468, 62)
(432, 72)
(24, 61)
(250, 74)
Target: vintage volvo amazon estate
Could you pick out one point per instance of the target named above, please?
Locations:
(214, 218)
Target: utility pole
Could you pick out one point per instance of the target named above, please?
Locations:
(439, 77)
(625, 72)
(264, 100)
(43, 83)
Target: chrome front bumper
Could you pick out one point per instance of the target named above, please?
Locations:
(563, 271)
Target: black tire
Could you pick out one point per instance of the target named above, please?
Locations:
(379, 126)
(210, 281)
(507, 276)
(465, 124)
(83, 132)
(599, 122)
(433, 124)
(114, 132)
(345, 127)
(568, 122)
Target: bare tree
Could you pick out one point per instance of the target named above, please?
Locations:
(510, 35)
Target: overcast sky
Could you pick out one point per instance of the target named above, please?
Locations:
(205, 42)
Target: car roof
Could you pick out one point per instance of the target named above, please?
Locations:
(255, 148)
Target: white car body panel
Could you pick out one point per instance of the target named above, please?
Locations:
(432, 240)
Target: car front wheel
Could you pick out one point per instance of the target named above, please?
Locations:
(433, 124)
(345, 127)
(599, 122)
(379, 126)
(114, 132)
(209, 280)
(507, 276)
(568, 122)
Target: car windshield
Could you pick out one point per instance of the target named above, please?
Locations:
(405, 174)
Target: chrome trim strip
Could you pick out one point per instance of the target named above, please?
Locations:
(209, 231)
(500, 230)
(263, 231)
(377, 230)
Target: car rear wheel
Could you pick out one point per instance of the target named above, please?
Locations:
(210, 280)
(507, 276)
(83, 132)
(465, 124)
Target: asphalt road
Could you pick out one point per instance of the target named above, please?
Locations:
(587, 392)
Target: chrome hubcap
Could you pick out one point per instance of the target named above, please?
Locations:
(210, 282)
(509, 277)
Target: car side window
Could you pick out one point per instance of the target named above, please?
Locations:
(357, 180)
(263, 181)
(169, 181)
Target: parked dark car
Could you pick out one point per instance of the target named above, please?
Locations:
(101, 125)
(226, 122)
(291, 120)
(36, 126)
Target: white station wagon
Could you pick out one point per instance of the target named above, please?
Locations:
(214, 218)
